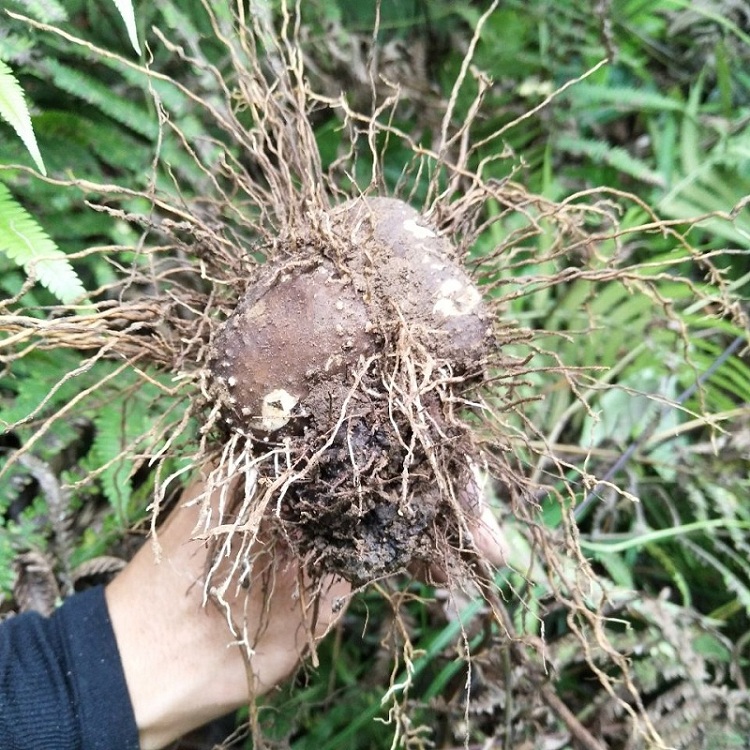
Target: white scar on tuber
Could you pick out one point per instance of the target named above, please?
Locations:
(455, 298)
(419, 232)
(276, 410)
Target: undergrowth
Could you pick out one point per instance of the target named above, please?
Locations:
(594, 173)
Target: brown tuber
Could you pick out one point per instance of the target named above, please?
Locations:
(355, 358)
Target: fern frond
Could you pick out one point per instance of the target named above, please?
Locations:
(84, 142)
(623, 98)
(102, 97)
(613, 156)
(125, 9)
(14, 111)
(29, 246)
(123, 431)
(111, 451)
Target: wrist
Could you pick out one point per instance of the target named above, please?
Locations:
(172, 648)
(182, 665)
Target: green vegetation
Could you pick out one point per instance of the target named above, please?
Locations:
(623, 256)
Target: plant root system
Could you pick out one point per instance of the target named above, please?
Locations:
(350, 362)
(354, 365)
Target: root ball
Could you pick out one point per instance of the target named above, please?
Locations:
(351, 357)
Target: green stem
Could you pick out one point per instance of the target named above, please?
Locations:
(659, 535)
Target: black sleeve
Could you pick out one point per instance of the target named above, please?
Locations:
(62, 685)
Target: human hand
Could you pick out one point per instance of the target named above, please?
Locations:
(182, 665)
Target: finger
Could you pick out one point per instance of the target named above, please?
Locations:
(488, 537)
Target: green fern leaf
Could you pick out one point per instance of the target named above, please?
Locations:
(14, 111)
(35, 379)
(125, 9)
(29, 246)
(585, 96)
(47, 11)
(122, 431)
(102, 97)
(613, 156)
(110, 449)
(84, 142)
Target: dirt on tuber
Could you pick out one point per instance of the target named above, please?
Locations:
(346, 369)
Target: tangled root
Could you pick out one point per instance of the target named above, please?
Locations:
(345, 372)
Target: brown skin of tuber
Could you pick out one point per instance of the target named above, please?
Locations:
(302, 323)
(281, 337)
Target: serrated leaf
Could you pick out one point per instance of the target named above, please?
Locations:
(624, 98)
(122, 431)
(29, 246)
(14, 111)
(101, 96)
(613, 156)
(110, 449)
(31, 380)
(125, 9)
